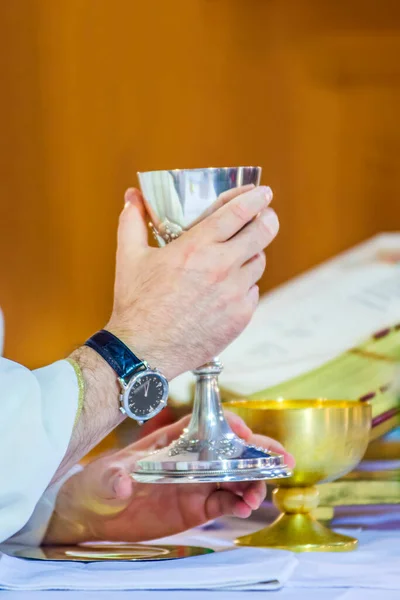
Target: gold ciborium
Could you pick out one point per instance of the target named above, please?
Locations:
(327, 438)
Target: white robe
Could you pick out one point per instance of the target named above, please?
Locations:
(38, 410)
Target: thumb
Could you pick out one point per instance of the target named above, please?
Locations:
(132, 228)
(109, 487)
(120, 485)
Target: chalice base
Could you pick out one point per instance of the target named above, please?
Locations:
(208, 450)
(298, 532)
(202, 462)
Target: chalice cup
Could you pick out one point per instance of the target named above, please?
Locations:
(327, 438)
(207, 450)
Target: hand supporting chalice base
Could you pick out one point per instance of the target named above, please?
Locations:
(208, 450)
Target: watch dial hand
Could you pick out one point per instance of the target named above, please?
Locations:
(146, 388)
(136, 390)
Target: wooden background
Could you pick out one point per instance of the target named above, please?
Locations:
(94, 90)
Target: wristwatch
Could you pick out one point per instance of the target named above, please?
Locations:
(144, 391)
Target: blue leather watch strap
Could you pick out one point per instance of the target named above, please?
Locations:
(119, 357)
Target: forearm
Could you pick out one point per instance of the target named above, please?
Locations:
(100, 412)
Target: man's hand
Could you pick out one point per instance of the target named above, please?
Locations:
(102, 502)
(180, 305)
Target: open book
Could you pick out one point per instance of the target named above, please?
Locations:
(333, 332)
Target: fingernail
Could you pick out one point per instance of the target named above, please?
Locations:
(264, 495)
(128, 197)
(290, 460)
(267, 191)
(270, 220)
(115, 483)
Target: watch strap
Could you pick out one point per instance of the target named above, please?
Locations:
(115, 353)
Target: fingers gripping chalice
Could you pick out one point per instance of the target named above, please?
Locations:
(208, 450)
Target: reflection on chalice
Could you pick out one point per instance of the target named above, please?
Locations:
(327, 438)
(208, 450)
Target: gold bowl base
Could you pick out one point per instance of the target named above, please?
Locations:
(298, 533)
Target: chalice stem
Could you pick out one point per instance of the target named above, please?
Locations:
(208, 425)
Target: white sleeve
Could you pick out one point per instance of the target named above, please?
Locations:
(38, 410)
(33, 532)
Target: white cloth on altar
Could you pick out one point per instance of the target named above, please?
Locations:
(374, 565)
(38, 410)
(373, 568)
(237, 569)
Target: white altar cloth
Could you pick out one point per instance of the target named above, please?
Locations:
(370, 573)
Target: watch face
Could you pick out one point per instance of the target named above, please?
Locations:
(147, 395)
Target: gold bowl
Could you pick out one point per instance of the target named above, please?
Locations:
(327, 438)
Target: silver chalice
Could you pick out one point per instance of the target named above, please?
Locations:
(207, 450)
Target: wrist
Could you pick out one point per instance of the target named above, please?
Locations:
(100, 383)
(145, 349)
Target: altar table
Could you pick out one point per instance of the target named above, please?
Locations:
(372, 523)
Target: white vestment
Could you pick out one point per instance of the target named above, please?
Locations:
(38, 410)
